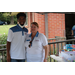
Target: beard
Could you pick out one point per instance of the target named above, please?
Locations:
(21, 24)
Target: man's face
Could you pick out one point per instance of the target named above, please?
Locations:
(21, 20)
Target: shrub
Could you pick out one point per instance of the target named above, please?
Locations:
(3, 39)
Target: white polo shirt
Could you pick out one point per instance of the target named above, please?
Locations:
(36, 52)
(16, 36)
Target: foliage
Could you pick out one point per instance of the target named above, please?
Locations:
(3, 39)
(6, 17)
(15, 19)
(4, 32)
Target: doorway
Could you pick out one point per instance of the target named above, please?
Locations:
(69, 22)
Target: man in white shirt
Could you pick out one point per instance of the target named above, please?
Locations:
(16, 39)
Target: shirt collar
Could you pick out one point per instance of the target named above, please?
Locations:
(35, 35)
(19, 27)
(22, 28)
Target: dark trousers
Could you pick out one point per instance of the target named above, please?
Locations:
(17, 60)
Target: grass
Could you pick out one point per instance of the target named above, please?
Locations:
(4, 29)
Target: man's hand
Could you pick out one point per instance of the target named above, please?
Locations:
(8, 59)
(72, 32)
(8, 51)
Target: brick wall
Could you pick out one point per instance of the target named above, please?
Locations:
(40, 19)
(56, 23)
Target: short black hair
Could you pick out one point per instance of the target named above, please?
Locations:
(21, 14)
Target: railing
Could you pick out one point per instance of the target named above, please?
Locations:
(56, 39)
(54, 47)
(3, 53)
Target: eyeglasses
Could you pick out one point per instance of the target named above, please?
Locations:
(30, 44)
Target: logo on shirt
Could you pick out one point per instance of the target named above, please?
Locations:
(36, 40)
(28, 40)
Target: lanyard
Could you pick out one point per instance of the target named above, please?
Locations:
(31, 42)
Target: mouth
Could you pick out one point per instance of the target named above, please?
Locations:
(33, 30)
(22, 23)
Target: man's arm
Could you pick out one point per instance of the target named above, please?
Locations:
(72, 32)
(8, 51)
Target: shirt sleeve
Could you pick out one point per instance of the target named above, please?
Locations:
(44, 40)
(73, 28)
(10, 35)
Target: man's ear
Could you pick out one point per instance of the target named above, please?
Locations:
(17, 21)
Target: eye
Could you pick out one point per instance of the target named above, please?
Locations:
(19, 19)
(23, 18)
(31, 27)
(34, 27)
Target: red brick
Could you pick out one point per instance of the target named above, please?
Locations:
(56, 23)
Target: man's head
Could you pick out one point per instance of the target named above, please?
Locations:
(21, 18)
